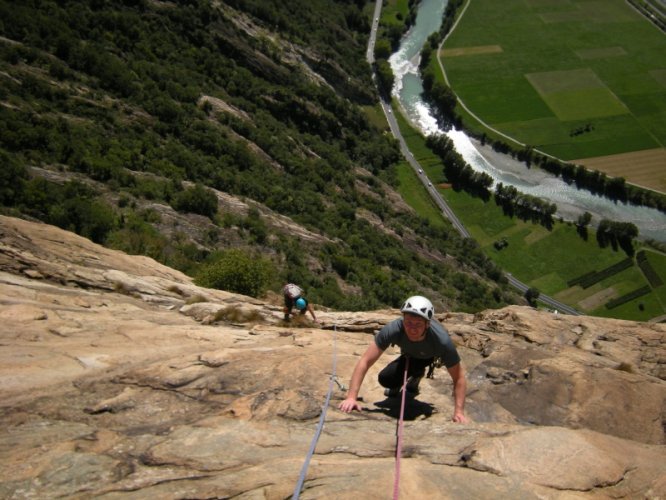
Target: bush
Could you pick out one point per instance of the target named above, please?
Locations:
(90, 218)
(234, 314)
(197, 199)
(531, 295)
(12, 179)
(237, 271)
(138, 237)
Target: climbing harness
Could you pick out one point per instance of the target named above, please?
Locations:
(398, 450)
(436, 363)
(332, 379)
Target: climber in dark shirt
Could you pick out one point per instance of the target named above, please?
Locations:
(421, 339)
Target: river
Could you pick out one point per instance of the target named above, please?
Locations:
(570, 201)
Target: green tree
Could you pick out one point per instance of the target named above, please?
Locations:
(385, 76)
(581, 224)
(531, 295)
(237, 271)
(444, 98)
(584, 219)
(256, 226)
(382, 49)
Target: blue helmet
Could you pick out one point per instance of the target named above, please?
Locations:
(300, 303)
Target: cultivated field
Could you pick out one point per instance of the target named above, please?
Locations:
(582, 80)
(643, 168)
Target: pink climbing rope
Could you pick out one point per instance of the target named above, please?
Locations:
(398, 451)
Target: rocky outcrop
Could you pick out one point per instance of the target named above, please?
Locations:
(123, 379)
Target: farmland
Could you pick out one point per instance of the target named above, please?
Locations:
(551, 261)
(580, 80)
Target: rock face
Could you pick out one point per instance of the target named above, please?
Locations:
(122, 379)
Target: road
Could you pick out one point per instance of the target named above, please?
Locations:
(432, 190)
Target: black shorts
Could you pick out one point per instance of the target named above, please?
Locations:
(393, 374)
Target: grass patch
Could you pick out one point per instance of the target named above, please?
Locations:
(125, 289)
(233, 314)
(376, 116)
(599, 52)
(416, 196)
(468, 51)
(296, 321)
(430, 163)
(411, 188)
(625, 367)
(394, 12)
(585, 104)
(195, 299)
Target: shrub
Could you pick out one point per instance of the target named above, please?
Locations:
(237, 271)
(531, 295)
(234, 314)
(12, 179)
(625, 367)
(196, 299)
(93, 219)
(197, 199)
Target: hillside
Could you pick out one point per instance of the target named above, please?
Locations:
(179, 130)
(123, 379)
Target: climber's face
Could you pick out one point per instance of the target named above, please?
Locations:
(415, 327)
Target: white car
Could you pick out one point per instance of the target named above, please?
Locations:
(420, 171)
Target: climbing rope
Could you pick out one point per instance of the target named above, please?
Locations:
(398, 450)
(333, 379)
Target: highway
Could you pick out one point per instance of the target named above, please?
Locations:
(427, 183)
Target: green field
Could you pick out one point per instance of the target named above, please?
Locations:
(547, 260)
(394, 12)
(411, 188)
(542, 259)
(539, 71)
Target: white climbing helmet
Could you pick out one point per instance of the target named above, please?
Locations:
(420, 306)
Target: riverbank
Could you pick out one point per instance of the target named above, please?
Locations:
(567, 211)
